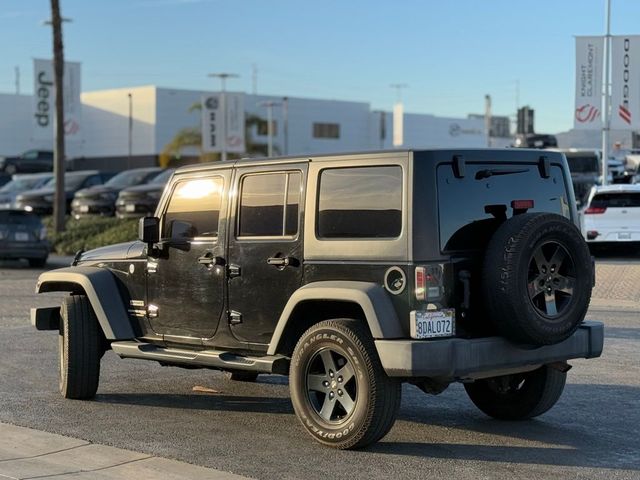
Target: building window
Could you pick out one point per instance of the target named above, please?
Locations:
(262, 127)
(326, 130)
(194, 209)
(362, 202)
(269, 205)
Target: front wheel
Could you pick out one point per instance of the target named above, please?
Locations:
(339, 390)
(519, 396)
(81, 348)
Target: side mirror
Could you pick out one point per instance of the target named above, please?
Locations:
(149, 230)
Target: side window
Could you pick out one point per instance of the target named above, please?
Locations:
(269, 205)
(362, 202)
(194, 209)
(93, 180)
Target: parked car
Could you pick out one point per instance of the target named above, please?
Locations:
(40, 200)
(21, 182)
(22, 235)
(142, 200)
(351, 274)
(612, 215)
(31, 161)
(101, 199)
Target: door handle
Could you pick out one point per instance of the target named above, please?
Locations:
(209, 260)
(279, 261)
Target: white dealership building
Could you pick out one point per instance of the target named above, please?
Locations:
(157, 114)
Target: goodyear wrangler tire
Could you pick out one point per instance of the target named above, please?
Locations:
(81, 348)
(537, 278)
(339, 390)
(520, 396)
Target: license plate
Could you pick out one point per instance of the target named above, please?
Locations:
(624, 236)
(130, 208)
(84, 208)
(438, 323)
(21, 237)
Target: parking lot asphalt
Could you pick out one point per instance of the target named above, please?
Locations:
(250, 429)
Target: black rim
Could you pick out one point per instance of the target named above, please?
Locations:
(331, 385)
(551, 280)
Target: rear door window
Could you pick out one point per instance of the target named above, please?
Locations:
(472, 207)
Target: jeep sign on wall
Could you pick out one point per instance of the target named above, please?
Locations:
(44, 100)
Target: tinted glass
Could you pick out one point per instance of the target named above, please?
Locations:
(74, 181)
(583, 163)
(129, 178)
(19, 218)
(363, 202)
(469, 224)
(24, 183)
(616, 200)
(162, 177)
(194, 209)
(263, 201)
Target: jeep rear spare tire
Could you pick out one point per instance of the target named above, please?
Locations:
(339, 390)
(537, 278)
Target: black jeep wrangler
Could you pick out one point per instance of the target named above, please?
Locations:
(351, 274)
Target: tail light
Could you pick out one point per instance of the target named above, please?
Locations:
(592, 234)
(428, 283)
(595, 210)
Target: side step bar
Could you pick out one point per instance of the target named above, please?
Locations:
(204, 358)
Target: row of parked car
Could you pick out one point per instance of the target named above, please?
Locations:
(131, 193)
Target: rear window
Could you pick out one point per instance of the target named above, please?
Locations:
(472, 207)
(616, 199)
(582, 163)
(19, 218)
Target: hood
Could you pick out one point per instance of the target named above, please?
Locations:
(138, 189)
(119, 251)
(95, 191)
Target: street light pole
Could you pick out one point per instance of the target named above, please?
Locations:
(607, 115)
(130, 130)
(223, 103)
(270, 105)
(285, 122)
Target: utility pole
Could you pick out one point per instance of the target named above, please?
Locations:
(60, 198)
(17, 80)
(270, 105)
(398, 115)
(254, 79)
(223, 103)
(607, 98)
(487, 118)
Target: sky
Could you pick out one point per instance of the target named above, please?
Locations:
(449, 53)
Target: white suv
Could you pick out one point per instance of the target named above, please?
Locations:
(612, 214)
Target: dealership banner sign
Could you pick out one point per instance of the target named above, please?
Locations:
(44, 100)
(625, 82)
(589, 60)
(222, 131)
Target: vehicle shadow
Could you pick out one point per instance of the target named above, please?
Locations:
(216, 401)
(593, 426)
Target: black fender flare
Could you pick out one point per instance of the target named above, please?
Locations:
(379, 312)
(100, 287)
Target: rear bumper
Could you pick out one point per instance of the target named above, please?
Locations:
(459, 359)
(14, 250)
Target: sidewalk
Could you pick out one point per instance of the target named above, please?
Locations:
(26, 453)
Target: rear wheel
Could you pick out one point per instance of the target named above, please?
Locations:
(80, 348)
(518, 396)
(339, 390)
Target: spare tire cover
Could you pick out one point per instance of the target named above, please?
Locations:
(537, 278)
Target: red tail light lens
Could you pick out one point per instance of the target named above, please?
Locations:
(521, 204)
(595, 210)
(421, 284)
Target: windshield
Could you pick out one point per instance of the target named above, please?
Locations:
(582, 163)
(129, 178)
(71, 181)
(19, 218)
(23, 183)
(163, 177)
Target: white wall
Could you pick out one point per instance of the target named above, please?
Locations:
(105, 122)
(15, 124)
